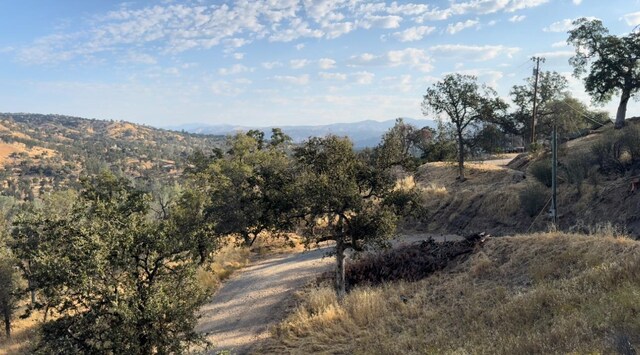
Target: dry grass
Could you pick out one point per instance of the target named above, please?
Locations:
(230, 258)
(542, 293)
(24, 333)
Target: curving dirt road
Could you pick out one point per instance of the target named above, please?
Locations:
(255, 298)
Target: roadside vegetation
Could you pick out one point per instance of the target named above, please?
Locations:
(541, 293)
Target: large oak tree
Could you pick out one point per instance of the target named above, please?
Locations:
(612, 63)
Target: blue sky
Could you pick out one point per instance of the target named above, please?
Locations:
(276, 62)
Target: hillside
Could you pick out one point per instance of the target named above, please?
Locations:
(39, 153)
(510, 199)
(363, 134)
(533, 294)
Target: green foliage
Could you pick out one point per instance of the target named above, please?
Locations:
(465, 103)
(9, 285)
(610, 62)
(533, 198)
(247, 189)
(342, 196)
(122, 279)
(541, 170)
(552, 86)
(618, 152)
(577, 168)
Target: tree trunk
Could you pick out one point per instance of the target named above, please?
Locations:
(622, 109)
(341, 289)
(7, 321)
(460, 156)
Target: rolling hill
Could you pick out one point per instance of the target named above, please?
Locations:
(39, 153)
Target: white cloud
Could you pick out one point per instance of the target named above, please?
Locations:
(363, 77)
(517, 18)
(326, 63)
(577, 2)
(295, 80)
(562, 25)
(140, 58)
(559, 44)
(332, 76)
(411, 57)
(271, 65)
(299, 46)
(223, 87)
(632, 19)
(298, 63)
(234, 69)
(238, 56)
(413, 33)
(335, 30)
(454, 28)
(483, 7)
(555, 54)
(402, 83)
(479, 53)
(489, 76)
(171, 27)
(376, 21)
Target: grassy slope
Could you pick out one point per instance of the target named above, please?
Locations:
(542, 293)
(490, 199)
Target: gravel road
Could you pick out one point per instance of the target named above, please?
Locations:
(255, 298)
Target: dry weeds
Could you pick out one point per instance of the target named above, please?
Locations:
(542, 293)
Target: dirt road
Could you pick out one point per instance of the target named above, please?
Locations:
(255, 298)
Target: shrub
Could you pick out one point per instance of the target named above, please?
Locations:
(410, 262)
(577, 168)
(533, 198)
(541, 170)
(618, 152)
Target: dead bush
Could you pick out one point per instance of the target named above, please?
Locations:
(577, 168)
(541, 170)
(533, 198)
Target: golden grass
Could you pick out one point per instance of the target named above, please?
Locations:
(542, 293)
(231, 257)
(23, 334)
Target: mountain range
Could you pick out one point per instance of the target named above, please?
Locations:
(363, 134)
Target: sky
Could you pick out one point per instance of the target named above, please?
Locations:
(277, 62)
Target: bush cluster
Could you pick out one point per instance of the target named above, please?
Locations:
(409, 263)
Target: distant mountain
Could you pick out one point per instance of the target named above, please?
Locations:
(363, 133)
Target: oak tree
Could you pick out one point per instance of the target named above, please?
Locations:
(611, 63)
(465, 103)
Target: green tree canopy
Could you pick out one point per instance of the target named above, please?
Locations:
(344, 197)
(465, 103)
(612, 63)
(120, 279)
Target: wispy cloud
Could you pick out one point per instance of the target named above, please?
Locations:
(479, 53)
(454, 28)
(632, 19)
(411, 57)
(292, 79)
(413, 33)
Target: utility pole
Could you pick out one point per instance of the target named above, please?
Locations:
(554, 175)
(536, 73)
